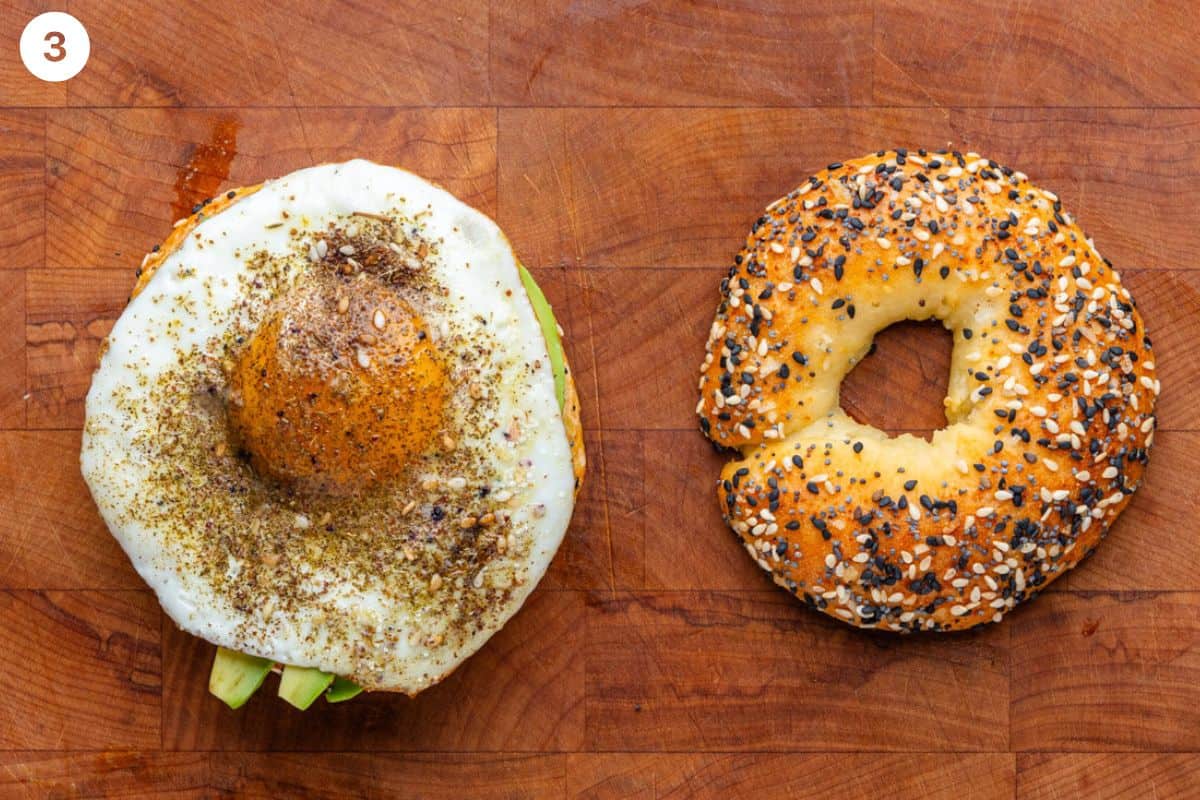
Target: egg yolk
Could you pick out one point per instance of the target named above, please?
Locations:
(340, 387)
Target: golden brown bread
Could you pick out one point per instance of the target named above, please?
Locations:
(1050, 405)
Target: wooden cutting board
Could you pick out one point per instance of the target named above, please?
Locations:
(625, 147)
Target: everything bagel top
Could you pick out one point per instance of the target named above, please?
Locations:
(1050, 405)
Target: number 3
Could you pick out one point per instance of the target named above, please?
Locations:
(57, 51)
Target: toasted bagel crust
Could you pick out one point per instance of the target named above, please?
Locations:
(1050, 403)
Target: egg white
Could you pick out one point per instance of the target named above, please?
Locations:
(197, 294)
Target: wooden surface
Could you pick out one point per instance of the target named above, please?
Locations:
(625, 147)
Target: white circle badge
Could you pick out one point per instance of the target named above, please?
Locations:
(55, 46)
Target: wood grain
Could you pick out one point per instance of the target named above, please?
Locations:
(396, 53)
(139, 56)
(257, 775)
(1111, 776)
(626, 149)
(669, 187)
(1057, 53)
(119, 774)
(1107, 671)
(12, 350)
(130, 774)
(113, 173)
(51, 535)
(619, 776)
(332, 54)
(694, 671)
(681, 187)
(688, 545)
(603, 547)
(68, 314)
(569, 53)
(843, 775)
(88, 665)
(22, 188)
(645, 330)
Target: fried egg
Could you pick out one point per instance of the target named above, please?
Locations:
(326, 428)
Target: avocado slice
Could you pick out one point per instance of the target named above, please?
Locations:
(342, 689)
(545, 315)
(235, 677)
(300, 686)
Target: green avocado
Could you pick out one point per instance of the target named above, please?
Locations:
(235, 677)
(342, 689)
(300, 686)
(545, 315)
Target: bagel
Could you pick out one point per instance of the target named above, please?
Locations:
(1049, 408)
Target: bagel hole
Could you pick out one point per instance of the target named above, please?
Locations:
(900, 385)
